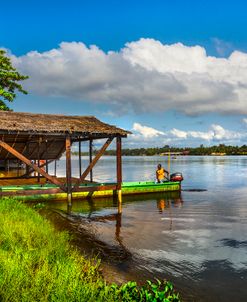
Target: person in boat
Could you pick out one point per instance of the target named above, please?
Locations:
(160, 174)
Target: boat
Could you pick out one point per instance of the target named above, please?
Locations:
(128, 188)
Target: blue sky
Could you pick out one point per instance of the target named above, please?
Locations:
(166, 86)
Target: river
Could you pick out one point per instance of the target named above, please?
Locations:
(196, 239)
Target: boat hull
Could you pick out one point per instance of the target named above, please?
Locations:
(128, 188)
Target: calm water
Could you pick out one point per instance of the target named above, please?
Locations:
(196, 239)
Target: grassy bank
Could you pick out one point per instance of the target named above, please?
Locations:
(38, 264)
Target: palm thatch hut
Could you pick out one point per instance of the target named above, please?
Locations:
(31, 138)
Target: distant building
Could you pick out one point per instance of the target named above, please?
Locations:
(175, 153)
(218, 154)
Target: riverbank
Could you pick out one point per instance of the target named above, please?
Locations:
(202, 150)
(38, 263)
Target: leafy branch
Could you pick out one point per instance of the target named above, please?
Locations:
(9, 78)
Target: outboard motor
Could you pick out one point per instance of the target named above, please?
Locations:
(176, 177)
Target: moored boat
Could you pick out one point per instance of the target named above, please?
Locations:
(128, 188)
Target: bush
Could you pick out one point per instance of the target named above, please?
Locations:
(38, 263)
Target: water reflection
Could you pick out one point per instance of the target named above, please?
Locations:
(234, 243)
(196, 239)
(165, 204)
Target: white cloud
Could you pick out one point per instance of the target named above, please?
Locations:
(178, 133)
(150, 137)
(145, 76)
(245, 121)
(146, 132)
(215, 133)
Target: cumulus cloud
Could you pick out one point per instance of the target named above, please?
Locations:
(146, 131)
(215, 133)
(145, 76)
(178, 133)
(152, 137)
(245, 121)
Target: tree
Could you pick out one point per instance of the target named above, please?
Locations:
(9, 78)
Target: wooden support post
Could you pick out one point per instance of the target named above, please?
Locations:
(35, 172)
(18, 168)
(55, 168)
(27, 167)
(46, 161)
(80, 172)
(28, 162)
(119, 172)
(118, 225)
(68, 170)
(93, 163)
(39, 159)
(119, 162)
(91, 158)
(46, 166)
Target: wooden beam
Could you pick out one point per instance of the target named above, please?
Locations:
(68, 169)
(94, 137)
(34, 150)
(91, 158)
(47, 146)
(27, 145)
(93, 163)
(29, 163)
(80, 172)
(19, 177)
(119, 162)
(12, 145)
(46, 163)
(1, 146)
(39, 158)
(27, 167)
(55, 191)
(55, 168)
(32, 192)
(32, 170)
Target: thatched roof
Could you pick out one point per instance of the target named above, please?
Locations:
(25, 131)
(51, 123)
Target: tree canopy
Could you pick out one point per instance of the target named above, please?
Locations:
(9, 78)
(221, 149)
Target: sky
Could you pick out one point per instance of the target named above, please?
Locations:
(172, 72)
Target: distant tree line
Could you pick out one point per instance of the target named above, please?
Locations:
(201, 150)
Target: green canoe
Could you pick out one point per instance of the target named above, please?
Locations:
(128, 188)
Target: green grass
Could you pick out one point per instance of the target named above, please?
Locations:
(38, 263)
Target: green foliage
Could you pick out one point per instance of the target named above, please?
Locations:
(38, 206)
(202, 150)
(150, 292)
(38, 263)
(9, 78)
